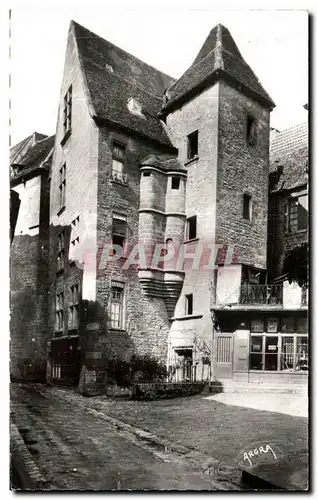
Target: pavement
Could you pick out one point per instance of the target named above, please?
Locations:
(190, 443)
(57, 445)
(289, 404)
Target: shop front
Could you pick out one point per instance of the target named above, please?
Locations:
(266, 347)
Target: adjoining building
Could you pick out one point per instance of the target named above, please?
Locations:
(173, 211)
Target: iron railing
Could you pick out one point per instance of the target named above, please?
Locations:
(261, 294)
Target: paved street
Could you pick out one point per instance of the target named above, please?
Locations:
(76, 450)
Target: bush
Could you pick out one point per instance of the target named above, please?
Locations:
(138, 369)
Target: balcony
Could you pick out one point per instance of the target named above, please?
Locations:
(261, 294)
(119, 177)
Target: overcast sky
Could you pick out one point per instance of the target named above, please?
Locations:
(273, 43)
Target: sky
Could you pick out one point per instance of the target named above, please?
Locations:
(273, 43)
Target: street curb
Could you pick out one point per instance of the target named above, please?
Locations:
(23, 462)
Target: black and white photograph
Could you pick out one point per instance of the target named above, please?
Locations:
(158, 248)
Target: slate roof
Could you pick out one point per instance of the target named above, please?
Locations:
(32, 157)
(113, 76)
(288, 140)
(289, 159)
(163, 162)
(18, 150)
(218, 58)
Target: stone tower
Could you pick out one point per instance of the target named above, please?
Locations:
(217, 114)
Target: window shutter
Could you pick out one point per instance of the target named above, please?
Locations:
(119, 225)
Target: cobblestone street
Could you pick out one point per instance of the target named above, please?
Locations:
(76, 450)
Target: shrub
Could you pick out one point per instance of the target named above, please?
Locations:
(138, 369)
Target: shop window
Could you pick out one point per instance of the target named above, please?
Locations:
(256, 355)
(271, 353)
(287, 356)
(279, 352)
(302, 354)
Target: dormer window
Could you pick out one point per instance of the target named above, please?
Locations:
(109, 67)
(135, 107)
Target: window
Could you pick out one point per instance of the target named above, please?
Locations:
(302, 354)
(67, 114)
(118, 160)
(73, 318)
(60, 251)
(175, 182)
(285, 351)
(247, 206)
(74, 237)
(62, 186)
(116, 308)
(189, 304)
(59, 325)
(146, 174)
(256, 355)
(134, 106)
(192, 145)
(119, 230)
(191, 228)
(298, 213)
(251, 130)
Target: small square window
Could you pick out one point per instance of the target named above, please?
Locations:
(193, 145)
(247, 207)
(189, 304)
(175, 182)
(191, 228)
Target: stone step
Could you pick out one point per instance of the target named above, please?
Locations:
(237, 387)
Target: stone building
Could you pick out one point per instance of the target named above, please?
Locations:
(161, 209)
(29, 167)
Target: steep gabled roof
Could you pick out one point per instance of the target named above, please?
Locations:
(218, 59)
(33, 157)
(113, 76)
(288, 140)
(289, 158)
(18, 150)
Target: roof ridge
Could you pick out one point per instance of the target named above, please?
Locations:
(122, 50)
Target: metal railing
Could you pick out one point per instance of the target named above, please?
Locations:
(261, 294)
(119, 177)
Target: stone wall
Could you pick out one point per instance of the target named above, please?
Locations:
(146, 324)
(79, 152)
(242, 168)
(29, 282)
